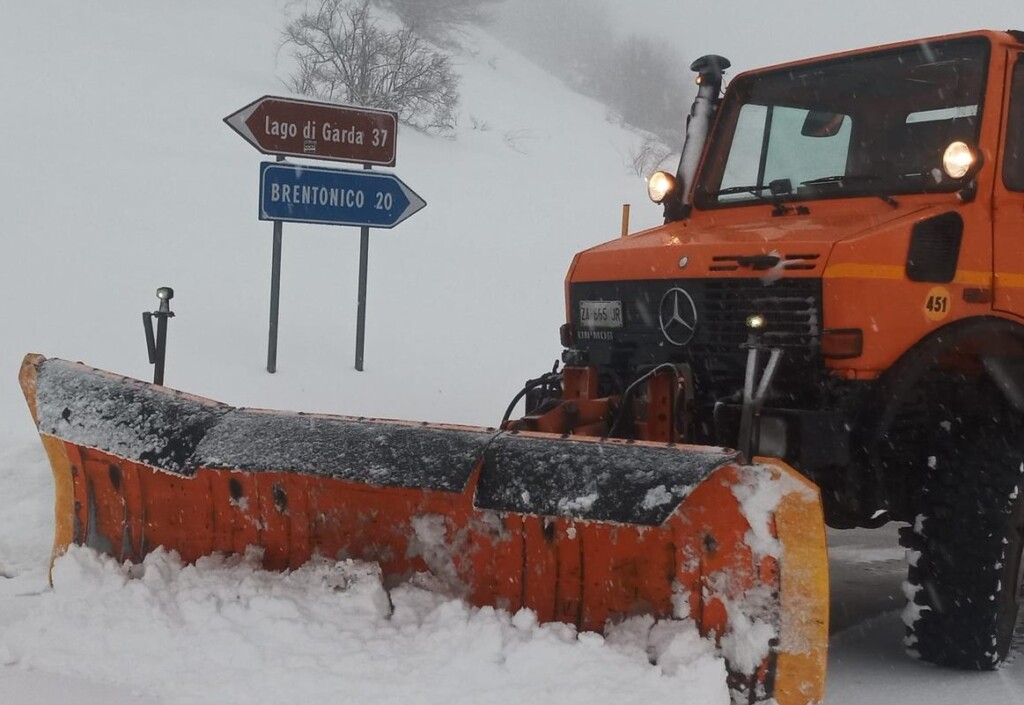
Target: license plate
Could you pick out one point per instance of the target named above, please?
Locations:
(601, 314)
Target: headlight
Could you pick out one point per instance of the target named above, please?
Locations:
(165, 293)
(755, 321)
(957, 160)
(660, 185)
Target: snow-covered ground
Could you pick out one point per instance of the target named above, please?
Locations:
(120, 177)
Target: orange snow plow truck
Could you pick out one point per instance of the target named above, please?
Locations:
(838, 288)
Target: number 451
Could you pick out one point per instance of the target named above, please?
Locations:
(937, 304)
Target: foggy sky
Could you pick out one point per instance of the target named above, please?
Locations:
(753, 34)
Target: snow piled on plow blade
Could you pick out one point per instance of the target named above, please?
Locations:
(584, 532)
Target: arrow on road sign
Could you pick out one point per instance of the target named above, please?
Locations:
(306, 128)
(304, 194)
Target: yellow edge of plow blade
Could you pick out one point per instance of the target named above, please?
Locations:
(804, 598)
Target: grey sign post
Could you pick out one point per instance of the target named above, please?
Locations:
(315, 130)
(364, 261)
(275, 294)
(305, 194)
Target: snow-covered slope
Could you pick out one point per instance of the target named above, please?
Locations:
(121, 177)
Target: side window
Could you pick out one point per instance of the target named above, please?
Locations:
(1013, 160)
(745, 155)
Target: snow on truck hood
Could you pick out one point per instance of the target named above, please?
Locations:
(736, 242)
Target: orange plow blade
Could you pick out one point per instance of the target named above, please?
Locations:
(579, 530)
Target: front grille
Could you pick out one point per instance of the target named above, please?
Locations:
(791, 307)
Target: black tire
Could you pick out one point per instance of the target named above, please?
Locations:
(964, 581)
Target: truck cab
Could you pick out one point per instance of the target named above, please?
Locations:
(839, 283)
(864, 206)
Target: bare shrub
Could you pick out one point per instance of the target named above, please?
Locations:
(345, 55)
(649, 155)
(517, 140)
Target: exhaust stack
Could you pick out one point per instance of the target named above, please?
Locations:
(710, 69)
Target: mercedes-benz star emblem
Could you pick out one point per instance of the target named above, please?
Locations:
(677, 316)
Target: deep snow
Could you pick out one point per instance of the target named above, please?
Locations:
(223, 631)
(121, 177)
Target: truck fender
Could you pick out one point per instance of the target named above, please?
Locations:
(997, 343)
(987, 344)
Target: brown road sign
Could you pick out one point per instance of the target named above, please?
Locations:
(306, 128)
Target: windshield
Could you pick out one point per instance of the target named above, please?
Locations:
(870, 124)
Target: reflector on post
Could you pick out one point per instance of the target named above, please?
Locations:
(156, 346)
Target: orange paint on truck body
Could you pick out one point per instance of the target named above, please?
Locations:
(857, 245)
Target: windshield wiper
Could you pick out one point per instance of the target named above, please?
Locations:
(777, 190)
(752, 190)
(842, 180)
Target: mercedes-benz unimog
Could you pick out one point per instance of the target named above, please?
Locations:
(839, 283)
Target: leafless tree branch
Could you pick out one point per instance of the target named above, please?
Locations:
(343, 54)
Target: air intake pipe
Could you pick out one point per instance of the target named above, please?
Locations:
(710, 69)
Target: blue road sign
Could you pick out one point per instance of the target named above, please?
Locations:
(309, 194)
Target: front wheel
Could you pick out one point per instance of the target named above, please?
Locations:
(965, 549)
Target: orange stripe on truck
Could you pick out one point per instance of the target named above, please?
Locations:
(850, 270)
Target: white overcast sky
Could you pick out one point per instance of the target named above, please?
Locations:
(758, 33)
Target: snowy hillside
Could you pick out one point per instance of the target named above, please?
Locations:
(121, 177)
(127, 180)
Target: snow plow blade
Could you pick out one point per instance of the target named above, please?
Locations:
(579, 530)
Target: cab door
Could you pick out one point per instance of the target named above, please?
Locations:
(1008, 216)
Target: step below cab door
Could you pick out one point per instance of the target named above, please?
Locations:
(1008, 245)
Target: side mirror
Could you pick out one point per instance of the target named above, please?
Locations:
(819, 123)
(780, 187)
